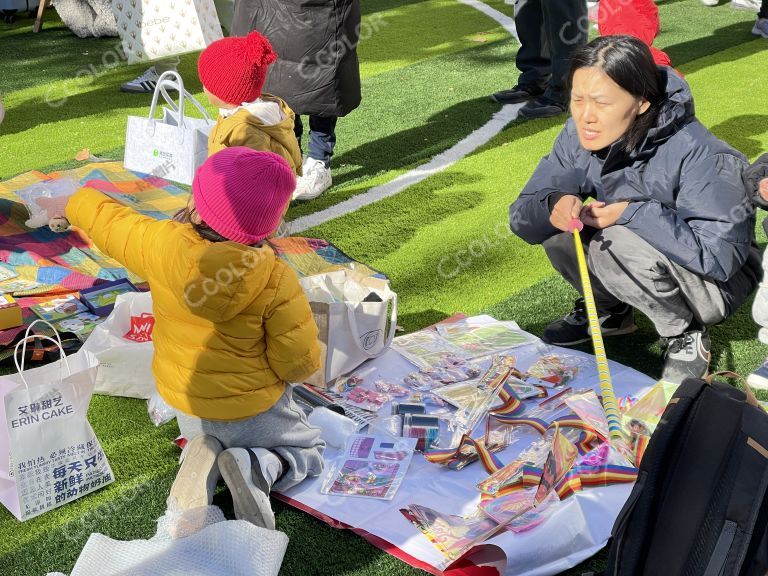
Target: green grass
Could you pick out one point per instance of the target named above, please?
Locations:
(426, 72)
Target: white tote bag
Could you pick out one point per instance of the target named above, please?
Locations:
(49, 454)
(124, 348)
(351, 313)
(152, 29)
(173, 147)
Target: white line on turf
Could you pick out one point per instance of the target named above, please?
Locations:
(506, 21)
(437, 164)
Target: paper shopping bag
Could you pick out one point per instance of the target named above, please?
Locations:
(152, 29)
(172, 147)
(351, 313)
(49, 454)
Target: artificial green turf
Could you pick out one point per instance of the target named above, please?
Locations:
(425, 77)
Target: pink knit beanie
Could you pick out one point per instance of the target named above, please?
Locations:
(242, 193)
(234, 69)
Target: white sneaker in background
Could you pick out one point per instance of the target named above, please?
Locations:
(142, 84)
(761, 27)
(751, 5)
(710, 2)
(315, 180)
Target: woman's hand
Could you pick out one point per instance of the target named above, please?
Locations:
(564, 211)
(763, 189)
(602, 215)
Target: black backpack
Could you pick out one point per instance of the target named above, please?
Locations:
(699, 506)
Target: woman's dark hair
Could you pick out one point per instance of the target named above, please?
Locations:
(628, 62)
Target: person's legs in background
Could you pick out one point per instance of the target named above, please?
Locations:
(566, 26)
(532, 58)
(316, 170)
(761, 26)
(146, 82)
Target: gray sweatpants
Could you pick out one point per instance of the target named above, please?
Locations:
(283, 429)
(625, 268)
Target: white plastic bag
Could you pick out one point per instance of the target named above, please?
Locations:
(123, 345)
(158, 410)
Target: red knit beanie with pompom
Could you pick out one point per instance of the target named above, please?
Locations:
(234, 69)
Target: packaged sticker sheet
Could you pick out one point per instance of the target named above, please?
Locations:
(553, 370)
(483, 340)
(588, 408)
(560, 460)
(516, 511)
(452, 535)
(371, 467)
(426, 349)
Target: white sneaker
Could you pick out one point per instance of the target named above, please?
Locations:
(710, 2)
(249, 475)
(761, 27)
(196, 479)
(751, 5)
(759, 378)
(142, 84)
(316, 179)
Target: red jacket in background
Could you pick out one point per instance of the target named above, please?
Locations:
(638, 18)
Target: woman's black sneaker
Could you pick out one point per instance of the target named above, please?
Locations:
(517, 94)
(574, 328)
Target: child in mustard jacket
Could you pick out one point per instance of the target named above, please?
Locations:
(233, 71)
(233, 327)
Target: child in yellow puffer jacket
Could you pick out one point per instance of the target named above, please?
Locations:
(232, 328)
(233, 71)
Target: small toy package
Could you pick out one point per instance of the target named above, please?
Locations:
(371, 466)
(643, 416)
(452, 535)
(393, 389)
(81, 324)
(426, 349)
(366, 399)
(560, 460)
(58, 309)
(42, 197)
(482, 340)
(475, 403)
(516, 511)
(100, 299)
(587, 407)
(552, 370)
(535, 455)
(505, 431)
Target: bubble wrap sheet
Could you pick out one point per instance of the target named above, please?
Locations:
(222, 548)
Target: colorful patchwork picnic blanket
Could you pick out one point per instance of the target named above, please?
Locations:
(48, 264)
